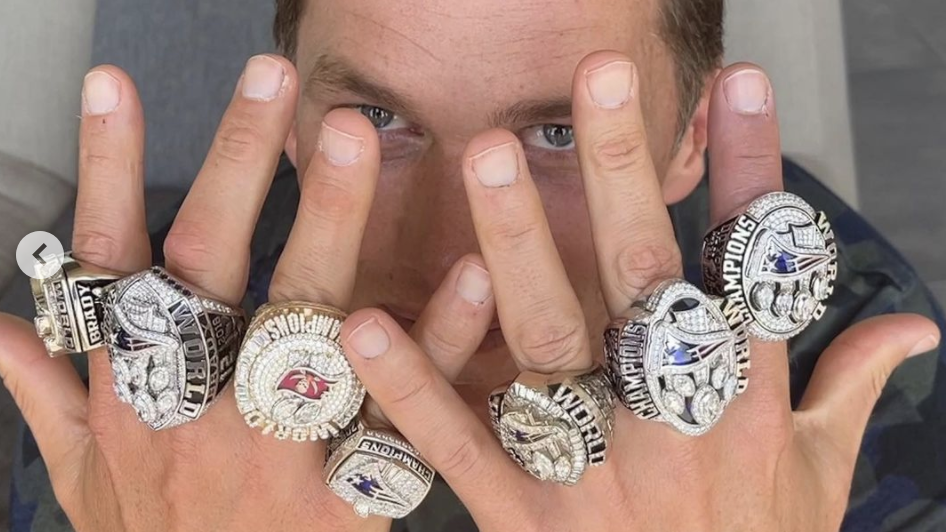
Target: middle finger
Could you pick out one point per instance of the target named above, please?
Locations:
(209, 243)
(537, 307)
(321, 255)
(633, 235)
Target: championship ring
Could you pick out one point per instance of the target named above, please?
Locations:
(69, 307)
(377, 472)
(778, 260)
(554, 426)
(172, 351)
(680, 357)
(292, 377)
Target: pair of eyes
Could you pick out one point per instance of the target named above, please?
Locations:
(544, 136)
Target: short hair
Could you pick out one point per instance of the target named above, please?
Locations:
(692, 29)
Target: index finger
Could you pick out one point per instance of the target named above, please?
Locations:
(110, 231)
(427, 410)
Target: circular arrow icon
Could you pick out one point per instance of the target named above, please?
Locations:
(39, 255)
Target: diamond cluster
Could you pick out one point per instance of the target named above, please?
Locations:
(292, 377)
(170, 356)
(378, 473)
(143, 343)
(789, 266)
(681, 358)
(555, 428)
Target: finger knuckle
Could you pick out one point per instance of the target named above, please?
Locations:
(639, 267)
(188, 250)
(510, 233)
(413, 392)
(550, 344)
(94, 245)
(620, 152)
(445, 342)
(752, 165)
(95, 156)
(238, 143)
(463, 458)
(329, 200)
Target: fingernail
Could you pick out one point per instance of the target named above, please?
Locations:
(263, 78)
(747, 92)
(340, 148)
(474, 284)
(101, 93)
(497, 166)
(610, 84)
(369, 339)
(924, 346)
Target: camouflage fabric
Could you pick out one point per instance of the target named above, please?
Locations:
(900, 480)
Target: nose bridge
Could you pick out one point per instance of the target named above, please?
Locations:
(440, 216)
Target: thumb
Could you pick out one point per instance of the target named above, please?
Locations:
(853, 371)
(48, 392)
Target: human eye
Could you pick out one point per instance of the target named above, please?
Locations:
(382, 119)
(554, 137)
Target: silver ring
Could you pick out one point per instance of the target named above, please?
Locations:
(778, 260)
(680, 357)
(292, 377)
(69, 307)
(172, 351)
(377, 472)
(555, 426)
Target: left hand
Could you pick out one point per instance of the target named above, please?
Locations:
(763, 467)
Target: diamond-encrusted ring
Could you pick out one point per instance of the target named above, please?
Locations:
(555, 426)
(778, 260)
(377, 471)
(69, 307)
(172, 351)
(679, 357)
(292, 377)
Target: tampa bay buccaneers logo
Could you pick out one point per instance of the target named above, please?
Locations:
(304, 391)
(305, 383)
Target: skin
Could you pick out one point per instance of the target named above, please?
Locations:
(396, 220)
(421, 223)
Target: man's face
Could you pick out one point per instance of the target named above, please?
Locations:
(434, 74)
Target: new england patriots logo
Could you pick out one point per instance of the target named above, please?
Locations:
(683, 353)
(790, 253)
(689, 337)
(374, 488)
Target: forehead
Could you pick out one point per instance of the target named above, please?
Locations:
(497, 50)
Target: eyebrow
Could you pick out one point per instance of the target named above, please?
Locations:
(532, 111)
(336, 74)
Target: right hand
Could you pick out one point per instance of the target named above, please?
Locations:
(109, 471)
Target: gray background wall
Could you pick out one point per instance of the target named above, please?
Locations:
(897, 73)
